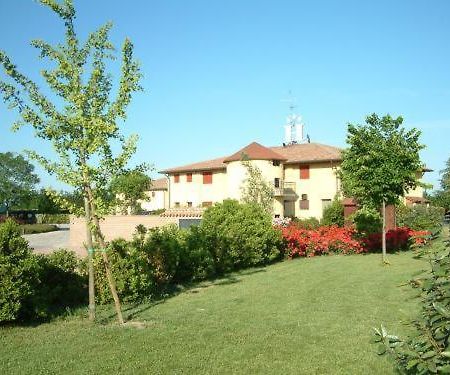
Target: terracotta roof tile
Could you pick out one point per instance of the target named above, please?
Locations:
(254, 151)
(309, 153)
(298, 153)
(207, 165)
(159, 184)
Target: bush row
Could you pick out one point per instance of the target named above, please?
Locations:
(35, 286)
(302, 242)
(53, 218)
(231, 236)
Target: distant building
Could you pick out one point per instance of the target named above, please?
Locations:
(158, 197)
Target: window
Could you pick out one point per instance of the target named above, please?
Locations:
(304, 202)
(153, 194)
(188, 177)
(189, 204)
(176, 178)
(277, 216)
(325, 203)
(207, 177)
(206, 204)
(177, 204)
(304, 171)
(276, 163)
(276, 182)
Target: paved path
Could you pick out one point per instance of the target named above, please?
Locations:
(50, 241)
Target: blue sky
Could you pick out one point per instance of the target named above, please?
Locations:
(216, 72)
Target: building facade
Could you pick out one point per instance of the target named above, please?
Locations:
(303, 176)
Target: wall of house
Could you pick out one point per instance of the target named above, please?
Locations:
(196, 191)
(321, 186)
(156, 200)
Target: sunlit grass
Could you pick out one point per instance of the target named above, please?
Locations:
(307, 316)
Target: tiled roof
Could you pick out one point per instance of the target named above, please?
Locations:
(309, 153)
(159, 184)
(183, 212)
(254, 151)
(298, 153)
(207, 165)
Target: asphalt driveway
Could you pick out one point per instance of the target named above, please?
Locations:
(50, 241)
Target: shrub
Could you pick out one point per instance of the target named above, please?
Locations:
(18, 270)
(196, 261)
(61, 284)
(324, 240)
(37, 228)
(420, 217)
(333, 214)
(132, 272)
(427, 351)
(53, 218)
(367, 221)
(396, 239)
(240, 235)
(309, 223)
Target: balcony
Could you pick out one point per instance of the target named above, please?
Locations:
(285, 189)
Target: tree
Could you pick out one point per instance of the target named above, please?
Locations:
(129, 188)
(381, 163)
(17, 180)
(255, 189)
(81, 122)
(441, 197)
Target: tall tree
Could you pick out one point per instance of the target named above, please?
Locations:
(17, 180)
(129, 188)
(81, 120)
(441, 197)
(255, 189)
(381, 164)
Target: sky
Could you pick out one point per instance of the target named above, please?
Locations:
(217, 73)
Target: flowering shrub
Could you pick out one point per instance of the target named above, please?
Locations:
(323, 240)
(281, 221)
(302, 242)
(396, 239)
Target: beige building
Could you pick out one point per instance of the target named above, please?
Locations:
(158, 196)
(303, 176)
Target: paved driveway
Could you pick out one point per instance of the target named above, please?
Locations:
(47, 242)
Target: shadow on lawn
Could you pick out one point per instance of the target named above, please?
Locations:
(133, 311)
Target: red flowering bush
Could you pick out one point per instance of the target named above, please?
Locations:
(396, 239)
(323, 240)
(302, 242)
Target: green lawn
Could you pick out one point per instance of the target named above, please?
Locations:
(307, 316)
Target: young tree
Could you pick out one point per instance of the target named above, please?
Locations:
(129, 188)
(381, 164)
(81, 120)
(256, 189)
(17, 180)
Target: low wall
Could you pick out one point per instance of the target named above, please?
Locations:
(113, 227)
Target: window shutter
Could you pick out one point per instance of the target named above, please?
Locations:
(207, 177)
(304, 171)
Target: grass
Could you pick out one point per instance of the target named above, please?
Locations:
(38, 228)
(306, 316)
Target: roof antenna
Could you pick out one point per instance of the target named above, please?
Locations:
(293, 130)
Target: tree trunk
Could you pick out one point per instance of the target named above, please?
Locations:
(101, 241)
(383, 235)
(90, 250)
